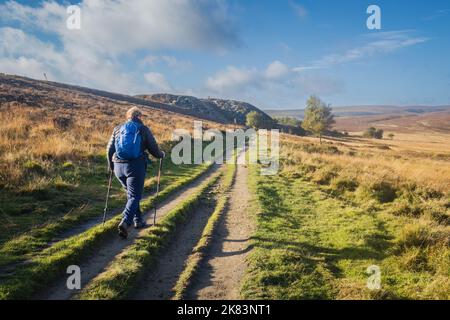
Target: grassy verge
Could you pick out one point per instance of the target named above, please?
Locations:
(51, 262)
(122, 274)
(198, 252)
(312, 244)
(87, 202)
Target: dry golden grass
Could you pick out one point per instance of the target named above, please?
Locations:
(32, 139)
(425, 163)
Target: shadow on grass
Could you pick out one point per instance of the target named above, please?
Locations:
(308, 266)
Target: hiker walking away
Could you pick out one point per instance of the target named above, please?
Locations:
(128, 159)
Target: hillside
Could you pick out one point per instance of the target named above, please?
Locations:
(224, 111)
(217, 110)
(53, 138)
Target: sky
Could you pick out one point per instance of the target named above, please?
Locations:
(271, 53)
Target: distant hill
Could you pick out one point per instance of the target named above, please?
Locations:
(389, 118)
(224, 111)
(369, 110)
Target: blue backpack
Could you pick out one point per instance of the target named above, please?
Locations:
(128, 141)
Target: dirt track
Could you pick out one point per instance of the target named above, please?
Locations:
(95, 264)
(158, 284)
(221, 272)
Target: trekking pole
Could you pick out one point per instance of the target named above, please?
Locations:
(157, 190)
(107, 196)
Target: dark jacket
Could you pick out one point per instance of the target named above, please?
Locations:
(148, 144)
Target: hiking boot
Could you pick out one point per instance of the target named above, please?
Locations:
(140, 224)
(123, 229)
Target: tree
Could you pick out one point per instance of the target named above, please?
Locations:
(391, 136)
(369, 133)
(318, 116)
(373, 133)
(255, 120)
(288, 121)
(379, 134)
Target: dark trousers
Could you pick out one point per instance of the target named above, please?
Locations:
(132, 176)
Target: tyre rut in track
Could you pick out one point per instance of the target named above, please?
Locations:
(159, 282)
(220, 273)
(96, 263)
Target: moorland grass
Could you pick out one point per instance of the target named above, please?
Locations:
(322, 222)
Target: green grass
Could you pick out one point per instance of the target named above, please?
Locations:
(198, 252)
(58, 214)
(121, 275)
(50, 196)
(48, 264)
(310, 244)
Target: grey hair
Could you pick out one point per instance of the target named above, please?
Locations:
(133, 113)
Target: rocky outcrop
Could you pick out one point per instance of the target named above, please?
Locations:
(221, 110)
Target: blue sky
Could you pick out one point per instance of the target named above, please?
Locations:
(270, 53)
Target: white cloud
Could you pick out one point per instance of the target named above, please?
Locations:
(121, 26)
(275, 85)
(311, 83)
(111, 31)
(379, 43)
(22, 65)
(24, 54)
(158, 81)
(172, 62)
(299, 10)
(305, 68)
(50, 16)
(278, 81)
(437, 14)
(276, 70)
(231, 78)
(15, 41)
(150, 60)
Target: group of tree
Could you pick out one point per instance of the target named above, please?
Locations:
(255, 120)
(373, 133)
(318, 118)
(290, 125)
(288, 121)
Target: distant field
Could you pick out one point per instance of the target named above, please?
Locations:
(428, 122)
(391, 119)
